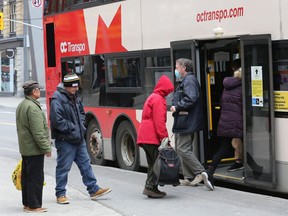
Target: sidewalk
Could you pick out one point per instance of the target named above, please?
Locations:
(11, 201)
(80, 204)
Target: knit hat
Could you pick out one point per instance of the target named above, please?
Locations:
(71, 80)
(30, 85)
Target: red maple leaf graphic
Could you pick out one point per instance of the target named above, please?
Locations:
(109, 39)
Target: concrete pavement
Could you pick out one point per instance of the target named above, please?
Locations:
(10, 199)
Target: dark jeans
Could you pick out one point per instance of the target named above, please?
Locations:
(151, 155)
(32, 179)
(225, 149)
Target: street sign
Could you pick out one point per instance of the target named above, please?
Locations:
(37, 3)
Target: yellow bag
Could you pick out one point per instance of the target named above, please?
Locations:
(16, 175)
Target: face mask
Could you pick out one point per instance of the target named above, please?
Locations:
(177, 74)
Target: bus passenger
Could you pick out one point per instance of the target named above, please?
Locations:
(152, 130)
(230, 126)
(34, 144)
(67, 119)
(231, 120)
(188, 118)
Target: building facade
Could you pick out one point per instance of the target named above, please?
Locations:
(22, 56)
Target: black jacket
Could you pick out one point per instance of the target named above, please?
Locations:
(188, 102)
(67, 117)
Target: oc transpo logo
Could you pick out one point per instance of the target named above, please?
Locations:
(70, 47)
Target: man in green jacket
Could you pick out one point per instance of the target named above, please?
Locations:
(34, 143)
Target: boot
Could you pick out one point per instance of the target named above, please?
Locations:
(151, 193)
(155, 188)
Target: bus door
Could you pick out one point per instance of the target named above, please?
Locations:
(189, 49)
(215, 60)
(258, 110)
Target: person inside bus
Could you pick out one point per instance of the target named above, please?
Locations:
(67, 121)
(230, 125)
(188, 118)
(152, 130)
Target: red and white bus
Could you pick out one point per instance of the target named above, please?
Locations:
(121, 48)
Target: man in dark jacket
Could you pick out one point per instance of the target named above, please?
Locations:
(188, 118)
(67, 119)
(34, 143)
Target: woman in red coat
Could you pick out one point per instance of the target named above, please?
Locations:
(153, 129)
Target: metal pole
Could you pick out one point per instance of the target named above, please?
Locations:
(26, 74)
(25, 24)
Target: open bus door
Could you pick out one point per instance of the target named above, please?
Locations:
(258, 110)
(212, 60)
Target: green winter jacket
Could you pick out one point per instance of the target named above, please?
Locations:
(32, 128)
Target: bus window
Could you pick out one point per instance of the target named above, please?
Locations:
(124, 72)
(280, 73)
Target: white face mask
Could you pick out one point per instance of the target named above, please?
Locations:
(177, 74)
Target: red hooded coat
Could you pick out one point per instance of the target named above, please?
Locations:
(153, 125)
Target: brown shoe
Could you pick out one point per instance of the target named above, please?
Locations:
(62, 200)
(152, 193)
(36, 210)
(158, 191)
(100, 192)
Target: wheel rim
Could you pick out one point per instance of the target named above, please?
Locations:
(95, 144)
(128, 150)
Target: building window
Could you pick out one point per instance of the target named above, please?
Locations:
(12, 17)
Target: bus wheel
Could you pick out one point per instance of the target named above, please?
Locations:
(94, 143)
(126, 150)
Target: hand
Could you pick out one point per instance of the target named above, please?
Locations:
(48, 154)
(172, 109)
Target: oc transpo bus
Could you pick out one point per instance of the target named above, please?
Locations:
(119, 49)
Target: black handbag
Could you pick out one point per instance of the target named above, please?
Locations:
(167, 167)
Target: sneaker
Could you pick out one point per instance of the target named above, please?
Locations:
(185, 182)
(152, 193)
(100, 192)
(62, 200)
(36, 210)
(207, 181)
(236, 166)
(198, 178)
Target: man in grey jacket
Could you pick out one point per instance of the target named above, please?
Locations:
(34, 143)
(188, 118)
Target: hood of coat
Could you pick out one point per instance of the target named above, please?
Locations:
(231, 82)
(164, 86)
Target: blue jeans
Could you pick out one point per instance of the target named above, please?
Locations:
(66, 154)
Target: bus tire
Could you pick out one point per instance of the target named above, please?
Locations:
(95, 143)
(127, 152)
